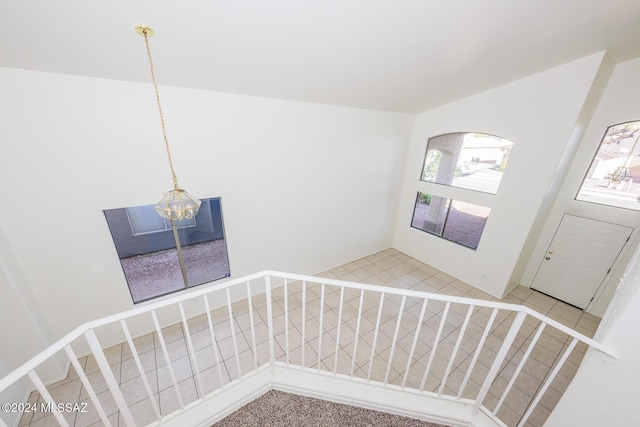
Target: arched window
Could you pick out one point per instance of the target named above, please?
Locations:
(613, 179)
(469, 160)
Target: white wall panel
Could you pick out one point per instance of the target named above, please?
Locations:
(304, 187)
(537, 114)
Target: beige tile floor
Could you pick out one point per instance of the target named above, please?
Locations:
(389, 268)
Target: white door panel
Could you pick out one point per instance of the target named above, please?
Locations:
(579, 258)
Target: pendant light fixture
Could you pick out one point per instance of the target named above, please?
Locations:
(177, 204)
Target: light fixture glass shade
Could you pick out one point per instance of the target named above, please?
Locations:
(177, 205)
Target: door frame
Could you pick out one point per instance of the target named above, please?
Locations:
(614, 267)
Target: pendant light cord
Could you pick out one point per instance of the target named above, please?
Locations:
(164, 131)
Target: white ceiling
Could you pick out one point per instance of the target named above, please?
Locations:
(394, 55)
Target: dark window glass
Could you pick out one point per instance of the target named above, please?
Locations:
(146, 247)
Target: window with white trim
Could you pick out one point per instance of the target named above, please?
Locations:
(613, 178)
(453, 220)
(470, 161)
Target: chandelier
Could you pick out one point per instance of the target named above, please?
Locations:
(177, 204)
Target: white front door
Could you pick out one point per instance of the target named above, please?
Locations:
(579, 258)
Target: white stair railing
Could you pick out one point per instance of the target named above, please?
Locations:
(457, 349)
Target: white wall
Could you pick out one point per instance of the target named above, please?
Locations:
(620, 103)
(605, 391)
(21, 313)
(538, 114)
(24, 333)
(304, 187)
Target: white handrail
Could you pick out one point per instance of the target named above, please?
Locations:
(80, 330)
(288, 281)
(453, 299)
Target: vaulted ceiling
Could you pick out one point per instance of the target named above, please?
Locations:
(394, 55)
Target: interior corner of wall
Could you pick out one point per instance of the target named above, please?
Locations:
(511, 285)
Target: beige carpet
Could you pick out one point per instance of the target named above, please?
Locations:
(276, 408)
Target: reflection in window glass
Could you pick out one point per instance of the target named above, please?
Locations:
(145, 219)
(147, 249)
(474, 161)
(453, 220)
(430, 213)
(613, 176)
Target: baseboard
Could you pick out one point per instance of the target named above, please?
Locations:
(335, 388)
(371, 395)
